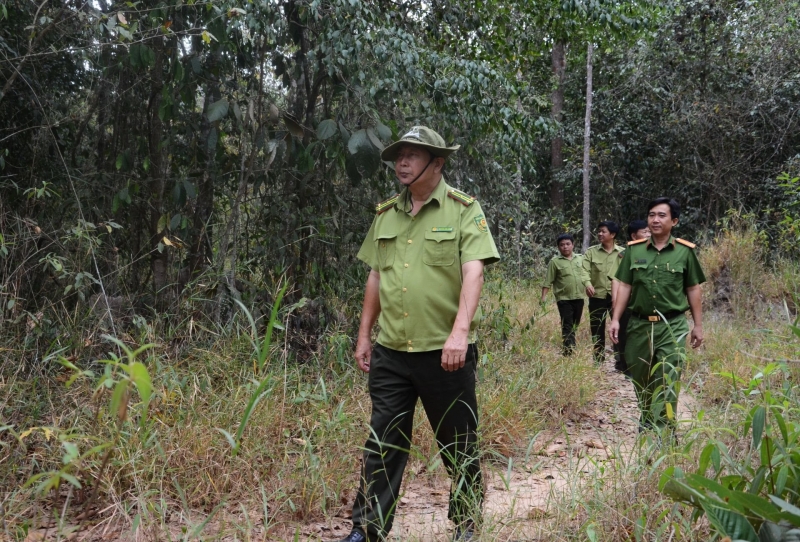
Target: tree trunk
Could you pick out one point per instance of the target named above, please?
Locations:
(158, 260)
(587, 131)
(559, 58)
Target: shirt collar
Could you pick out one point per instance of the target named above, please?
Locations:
(403, 202)
(670, 242)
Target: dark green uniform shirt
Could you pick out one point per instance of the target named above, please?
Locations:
(598, 265)
(565, 277)
(659, 278)
(419, 259)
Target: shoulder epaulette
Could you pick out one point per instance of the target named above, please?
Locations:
(460, 197)
(637, 241)
(686, 243)
(386, 204)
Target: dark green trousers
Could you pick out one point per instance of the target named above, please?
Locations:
(396, 381)
(655, 352)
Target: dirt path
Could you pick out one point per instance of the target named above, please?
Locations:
(560, 461)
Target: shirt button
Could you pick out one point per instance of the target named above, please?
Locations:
(654, 297)
(409, 241)
(410, 342)
(410, 348)
(653, 281)
(405, 289)
(406, 314)
(405, 265)
(383, 245)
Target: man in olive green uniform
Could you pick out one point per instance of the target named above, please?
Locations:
(659, 280)
(565, 277)
(426, 248)
(600, 262)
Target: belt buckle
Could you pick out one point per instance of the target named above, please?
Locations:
(653, 318)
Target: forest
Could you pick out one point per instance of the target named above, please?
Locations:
(184, 187)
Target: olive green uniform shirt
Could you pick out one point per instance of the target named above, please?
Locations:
(659, 278)
(565, 277)
(419, 259)
(598, 266)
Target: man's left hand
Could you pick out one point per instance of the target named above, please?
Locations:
(454, 353)
(697, 337)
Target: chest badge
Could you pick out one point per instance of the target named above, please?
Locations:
(640, 261)
(442, 228)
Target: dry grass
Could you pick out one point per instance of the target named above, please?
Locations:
(299, 460)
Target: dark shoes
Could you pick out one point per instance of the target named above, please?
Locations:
(354, 536)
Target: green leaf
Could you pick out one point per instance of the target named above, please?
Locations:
(71, 479)
(359, 141)
(217, 111)
(295, 128)
(730, 523)
(191, 191)
(141, 379)
(326, 129)
(384, 132)
(228, 437)
(759, 419)
(179, 194)
(116, 408)
(344, 133)
(175, 222)
(211, 144)
(770, 532)
(373, 137)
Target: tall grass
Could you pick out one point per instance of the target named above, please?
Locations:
(297, 453)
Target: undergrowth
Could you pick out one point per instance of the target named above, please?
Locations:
(187, 461)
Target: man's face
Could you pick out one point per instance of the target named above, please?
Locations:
(659, 220)
(603, 235)
(411, 161)
(644, 233)
(565, 247)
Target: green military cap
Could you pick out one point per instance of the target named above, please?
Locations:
(423, 137)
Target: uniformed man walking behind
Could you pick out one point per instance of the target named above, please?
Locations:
(426, 248)
(637, 229)
(659, 280)
(565, 276)
(600, 262)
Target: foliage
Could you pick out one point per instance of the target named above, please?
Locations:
(753, 497)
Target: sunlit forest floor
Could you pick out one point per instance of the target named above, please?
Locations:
(82, 460)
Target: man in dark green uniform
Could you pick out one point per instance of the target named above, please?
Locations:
(565, 277)
(426, 248)
(637, 229)
(599, 262)
(659, 280)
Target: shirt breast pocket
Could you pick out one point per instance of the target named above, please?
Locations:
(439, 248)
(639, 271)
(674, 274)
(386, 246)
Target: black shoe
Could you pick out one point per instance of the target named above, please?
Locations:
(464, 534)
(354, 536)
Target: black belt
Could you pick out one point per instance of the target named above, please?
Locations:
(656, 317)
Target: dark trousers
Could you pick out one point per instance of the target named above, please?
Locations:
(599, 308)
(396, 380)
(570, 311)
(620, 364)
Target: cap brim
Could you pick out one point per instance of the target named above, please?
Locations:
(390, 153)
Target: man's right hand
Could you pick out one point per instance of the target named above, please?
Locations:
(590, 290)
(363, 353)
(613, 331)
